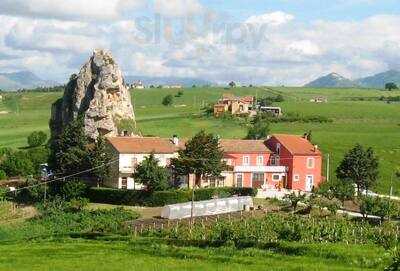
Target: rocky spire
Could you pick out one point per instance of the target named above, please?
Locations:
(98, 94)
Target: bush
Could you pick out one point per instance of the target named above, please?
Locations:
(73, 190)
(3, 175)
(17, 164)
(36, 139)
(161, 198)
(168, 100)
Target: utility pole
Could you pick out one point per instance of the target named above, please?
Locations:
(328, 167)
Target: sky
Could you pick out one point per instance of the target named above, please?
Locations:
(274, 42)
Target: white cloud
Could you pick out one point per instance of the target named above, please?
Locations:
(177, 8)
(305, 47)
(69, 10)
(274, 18)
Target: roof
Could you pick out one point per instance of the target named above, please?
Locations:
(297, 145)
(147, 145)
(144, 145)
(243, 146)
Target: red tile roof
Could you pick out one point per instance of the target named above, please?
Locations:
(144, 145)
(243, 146)
(147, 145)
(297, 145)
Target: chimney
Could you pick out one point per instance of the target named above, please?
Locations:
(315, 148)
(175, 140)
(268, 137)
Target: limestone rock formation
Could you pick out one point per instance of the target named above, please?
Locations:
(98, 94)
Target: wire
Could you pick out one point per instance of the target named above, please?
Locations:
(65, 177)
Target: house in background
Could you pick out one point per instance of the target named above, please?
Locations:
(302, 159)
(234, 105)
(319, 100)
(131, 151)
(273, 110)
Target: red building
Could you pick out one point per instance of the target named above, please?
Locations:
(302, 159)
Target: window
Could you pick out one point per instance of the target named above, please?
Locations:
(260, 160)
(239, 180)
(278, 148)
(296, 178)
(276, 177)
(124, 183)
(310, 162)
(221, 182)
(246, 160)
(212, 182)
(275, 160)
(258, 177)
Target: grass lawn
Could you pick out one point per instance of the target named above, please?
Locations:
(69, 254)
(145, 212)
(358, 117)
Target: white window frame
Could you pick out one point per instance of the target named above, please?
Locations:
(258, 173)
(246, 157)
(296, 178)
(241, 177)
(260, 160)
(312, 160)
(273, 177)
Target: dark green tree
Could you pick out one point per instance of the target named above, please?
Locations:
(36, 139)
(391, 86)
(68, 152)
(259, 129)
(99, 159)
(359, 166)
(202, 156)
(168, 100)
(149, 173)
(232, 84)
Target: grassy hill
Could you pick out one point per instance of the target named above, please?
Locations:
(358, 117)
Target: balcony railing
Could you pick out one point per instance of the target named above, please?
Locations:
(270, 169)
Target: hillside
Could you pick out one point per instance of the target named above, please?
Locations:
(332, 80)
(22, 79)
(379, 80)
(187, 82)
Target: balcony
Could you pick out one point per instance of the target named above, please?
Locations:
(269, 169)
(127, 170)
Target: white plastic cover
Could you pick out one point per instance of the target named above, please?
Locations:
(206, 208)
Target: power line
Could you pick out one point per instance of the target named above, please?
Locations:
(65, 177)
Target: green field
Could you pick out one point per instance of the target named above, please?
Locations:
(358, 117)
(79, 254)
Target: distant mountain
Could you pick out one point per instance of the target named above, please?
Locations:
(22, 79)
(332, 80)
(148, 80)
(379, 80)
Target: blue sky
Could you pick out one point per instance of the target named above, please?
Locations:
(271, 42)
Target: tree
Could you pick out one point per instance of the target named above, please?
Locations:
(168, 100)
(391, 86)
(232, 84)
(359, 166)
(339, 189)
(294, 199)
(17, 164)
(149, 173)
(259, 129)
(202, 156)
(367, 205)
(36, 139)
(68, 152)
(73, 189)
(99, 156)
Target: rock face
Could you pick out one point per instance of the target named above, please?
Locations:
(98, 94)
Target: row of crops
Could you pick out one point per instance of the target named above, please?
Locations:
(283, 227)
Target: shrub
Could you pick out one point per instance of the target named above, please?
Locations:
(36, 139)
(161, 198)
(117, 196)
(168, 100)
(3, 175)
(73, 190)
(17, 164)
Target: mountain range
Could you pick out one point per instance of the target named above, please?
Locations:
(334, 80)
(22, 80)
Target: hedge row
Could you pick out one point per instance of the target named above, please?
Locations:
(161, 198)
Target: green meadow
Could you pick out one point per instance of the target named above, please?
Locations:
(78, 254)
(358, 117)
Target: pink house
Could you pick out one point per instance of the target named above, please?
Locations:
(302, 159)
